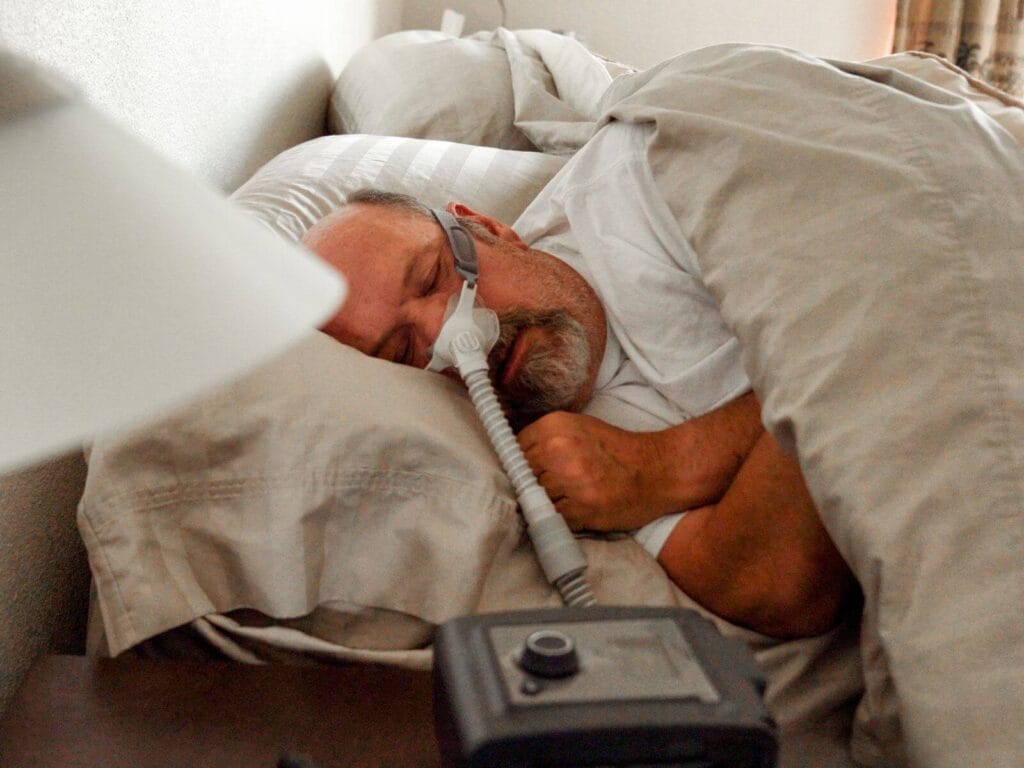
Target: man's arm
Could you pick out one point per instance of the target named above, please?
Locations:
(753, 549)
(760, 557)
(602, 478)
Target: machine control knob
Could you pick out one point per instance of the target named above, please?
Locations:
(549, 653)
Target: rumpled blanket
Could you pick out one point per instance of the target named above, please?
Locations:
(863, 234)
(557, 85)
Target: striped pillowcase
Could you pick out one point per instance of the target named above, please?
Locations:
(303, 184)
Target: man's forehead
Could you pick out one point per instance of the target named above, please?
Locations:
(382, 253)
(377, 220)
(361, 233)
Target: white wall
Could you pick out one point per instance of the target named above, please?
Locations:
(643, 32)
(218, 85)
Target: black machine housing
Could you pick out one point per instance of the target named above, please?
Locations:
(644, 687)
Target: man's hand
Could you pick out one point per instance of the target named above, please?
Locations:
(599, 477)
(603, 478)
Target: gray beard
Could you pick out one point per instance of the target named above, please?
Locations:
(554, 371)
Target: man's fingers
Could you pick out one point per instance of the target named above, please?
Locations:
(536, 462)
(553, 424)
(550, 483)
(546, 474)
(527, 442)
(530, 436)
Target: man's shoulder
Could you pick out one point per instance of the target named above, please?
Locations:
(615, 149)
(612, 161)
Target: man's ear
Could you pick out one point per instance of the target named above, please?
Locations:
(492, 225)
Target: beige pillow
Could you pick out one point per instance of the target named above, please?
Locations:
(428, 85)
(521, 89)
(306, 438)
(328, 485)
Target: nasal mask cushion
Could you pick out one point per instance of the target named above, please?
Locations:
(469, 330)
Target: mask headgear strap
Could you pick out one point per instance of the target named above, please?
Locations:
(461, 242)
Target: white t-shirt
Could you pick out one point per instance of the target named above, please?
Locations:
(669, 355)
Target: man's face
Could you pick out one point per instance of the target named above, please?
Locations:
(401, 274)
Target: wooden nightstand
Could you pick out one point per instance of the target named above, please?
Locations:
(72, 711)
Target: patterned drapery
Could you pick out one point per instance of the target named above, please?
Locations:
(983, 37)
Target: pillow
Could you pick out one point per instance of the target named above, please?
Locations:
(428, 85)
(527, 89)
(277, 417)
(303, 184)
(353, 494)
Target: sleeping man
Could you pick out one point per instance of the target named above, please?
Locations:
(627, 389)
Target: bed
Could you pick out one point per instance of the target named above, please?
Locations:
(291, 516)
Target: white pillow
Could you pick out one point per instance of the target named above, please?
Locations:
(302, 185)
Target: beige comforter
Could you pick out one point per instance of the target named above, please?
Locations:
(863, 234)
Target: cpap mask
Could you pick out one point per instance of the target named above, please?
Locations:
(467, 335)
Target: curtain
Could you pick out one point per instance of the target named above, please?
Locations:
(983, 37)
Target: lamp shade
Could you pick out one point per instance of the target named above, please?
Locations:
(127, 286)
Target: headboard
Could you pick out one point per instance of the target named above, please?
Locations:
(220, 87)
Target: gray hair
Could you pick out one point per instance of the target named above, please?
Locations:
(395, 200)
(409, 204)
